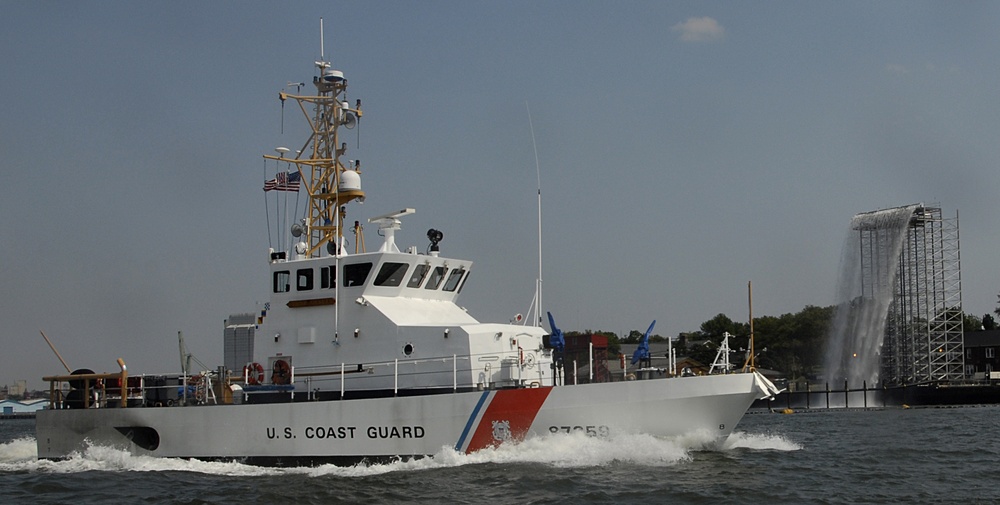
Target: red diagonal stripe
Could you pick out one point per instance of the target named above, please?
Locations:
(517, 406)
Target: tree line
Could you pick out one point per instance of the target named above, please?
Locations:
(793, 344)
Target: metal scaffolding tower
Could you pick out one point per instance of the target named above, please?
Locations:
(919, 256)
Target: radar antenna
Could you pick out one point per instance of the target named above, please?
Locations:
(330, 183)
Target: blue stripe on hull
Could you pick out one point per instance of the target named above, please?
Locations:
(472, 419)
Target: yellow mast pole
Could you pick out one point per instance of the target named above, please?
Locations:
(321, 170)
(47, 341)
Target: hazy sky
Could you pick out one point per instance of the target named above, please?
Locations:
(685, 149)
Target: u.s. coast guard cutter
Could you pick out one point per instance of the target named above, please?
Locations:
(366, 355)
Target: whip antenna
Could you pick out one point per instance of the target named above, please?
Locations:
(538, 175)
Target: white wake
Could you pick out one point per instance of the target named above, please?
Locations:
(557, 450)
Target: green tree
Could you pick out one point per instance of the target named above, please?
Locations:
(989, 323)
(633, 337)
(715, 327)
(971, 323)
(614, 344)
(793, 343)
(702, 351)
(703, 345)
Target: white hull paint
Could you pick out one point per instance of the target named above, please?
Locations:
(384, 428)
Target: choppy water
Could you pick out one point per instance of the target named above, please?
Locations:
(881, 456)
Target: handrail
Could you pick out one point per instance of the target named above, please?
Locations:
(86, 378)
(306, 376)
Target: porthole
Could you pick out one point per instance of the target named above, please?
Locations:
(408, 349)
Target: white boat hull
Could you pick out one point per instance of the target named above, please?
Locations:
(348, 431)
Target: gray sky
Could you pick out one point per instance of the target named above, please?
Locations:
(685, 149)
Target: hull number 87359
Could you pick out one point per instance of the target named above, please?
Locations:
(591, 431)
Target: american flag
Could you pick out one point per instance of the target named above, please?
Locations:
(284, 181)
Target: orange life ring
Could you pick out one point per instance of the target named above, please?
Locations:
(281, 373)
(254, 373)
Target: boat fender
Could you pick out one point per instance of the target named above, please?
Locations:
(254, 373)
(80, 383)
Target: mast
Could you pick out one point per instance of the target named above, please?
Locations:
(329, 182)
(750, 364)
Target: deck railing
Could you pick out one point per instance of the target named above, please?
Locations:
(518, 368)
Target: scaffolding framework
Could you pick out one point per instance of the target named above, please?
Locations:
(923, 338)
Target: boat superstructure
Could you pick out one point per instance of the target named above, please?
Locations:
(367, 355)
(332, 309)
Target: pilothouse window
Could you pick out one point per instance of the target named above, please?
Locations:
(419, 273)
(327, 277)
(281, 281)
(456, 275)
(391, 274)
(304, 279)
(436, 277)
(356, 274)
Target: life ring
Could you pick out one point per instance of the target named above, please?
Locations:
(281, 373)
(254, 373)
